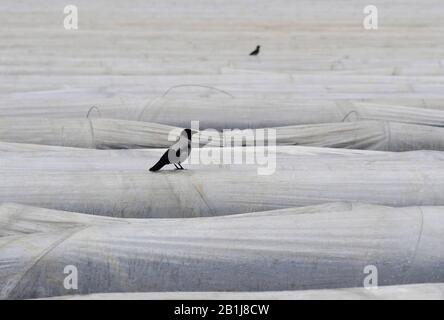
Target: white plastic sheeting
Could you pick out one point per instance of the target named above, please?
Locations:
(114, 134)
(86, 133)
(368, 135)
(429, 291)
(17, 147)
(224, 112)
(326, 246)
(320, 55)
(118, 183)
(123, 63)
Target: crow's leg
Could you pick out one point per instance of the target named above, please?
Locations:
(181, 168)
(176, 166)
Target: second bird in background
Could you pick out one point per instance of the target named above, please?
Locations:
(255, 52)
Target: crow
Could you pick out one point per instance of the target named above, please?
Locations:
(256, 51)
(177, 153)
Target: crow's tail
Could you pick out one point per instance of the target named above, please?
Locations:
(163, 161)
(159, 165)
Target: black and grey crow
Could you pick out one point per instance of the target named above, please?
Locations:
(177, 153)
(256, 51)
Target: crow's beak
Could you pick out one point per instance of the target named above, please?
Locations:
(194, 132)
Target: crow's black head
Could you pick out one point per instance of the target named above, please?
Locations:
(189, 132)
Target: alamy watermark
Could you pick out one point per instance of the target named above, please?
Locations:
(70, 282)
(71, 21)
(371, 280)
(232, 146)
(371, 19)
